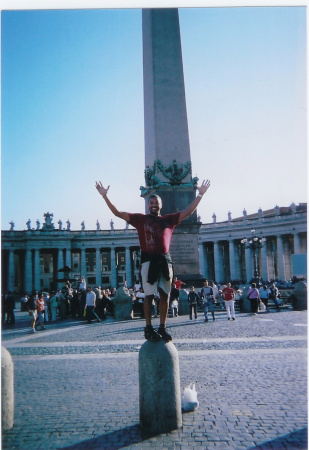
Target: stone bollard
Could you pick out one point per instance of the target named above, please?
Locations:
(123, 305)
(7, 389)
(299, 296)
(159, 388)
(183, 304)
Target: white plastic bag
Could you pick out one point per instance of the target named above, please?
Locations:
(189, 398)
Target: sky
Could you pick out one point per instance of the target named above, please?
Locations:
(72, 111)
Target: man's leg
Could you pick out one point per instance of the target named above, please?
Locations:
(150, 334)
(148, 308)
(163, 315)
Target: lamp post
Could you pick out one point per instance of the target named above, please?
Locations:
(254, 243)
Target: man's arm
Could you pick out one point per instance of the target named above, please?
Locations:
(193, 205)
(103, 191)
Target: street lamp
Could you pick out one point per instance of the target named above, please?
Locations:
(254, 243)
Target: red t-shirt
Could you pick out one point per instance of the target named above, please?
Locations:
(154, 232)
(178, 284)
(228, 293)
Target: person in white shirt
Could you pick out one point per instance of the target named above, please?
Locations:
(90, 303)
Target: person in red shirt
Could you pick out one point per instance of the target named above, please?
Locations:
(178, 283)
(228, 294)
(155, 234)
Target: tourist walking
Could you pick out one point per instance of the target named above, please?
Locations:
(32, 311)
(90, 304)
(40, 310)
(192, 299)
(174, 299)
(254, 296)
(228, 295)
(207, 294)
(9, 307)
(155, 234)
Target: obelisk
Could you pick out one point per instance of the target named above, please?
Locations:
(168, 170)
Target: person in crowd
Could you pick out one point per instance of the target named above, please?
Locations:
(90, 304)
(192, 299)
(74, 304)
(264, 295)
(40, 310)
(53, 306)
(155, 233)
(207, 295)
(273, 295)
(32, 311)
(46, 307)
(254, 297)
(140, 296)
(9, 302)
(61, 304)
(82, 285)
(23, 302)
(155, 306)
(178, 283)
(174, 299)
(228, 295)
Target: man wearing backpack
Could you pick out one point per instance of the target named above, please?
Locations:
(207, 295)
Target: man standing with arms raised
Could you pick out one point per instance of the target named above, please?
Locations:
(155, 234)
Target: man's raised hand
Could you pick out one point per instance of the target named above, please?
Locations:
(204, 186)
(101, 190)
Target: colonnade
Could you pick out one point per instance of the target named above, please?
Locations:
(26, 264)
(228, 259)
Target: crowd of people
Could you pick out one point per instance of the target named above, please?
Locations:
(94, 304)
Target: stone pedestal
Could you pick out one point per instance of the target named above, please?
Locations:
(159, 388)
(7, 389)
(183, 304)
(123, 308)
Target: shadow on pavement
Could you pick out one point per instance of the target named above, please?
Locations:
(113, 441)
(296, 440)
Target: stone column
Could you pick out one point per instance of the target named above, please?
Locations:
(218, 270)
(281, 268)
(11, 275)
(165, 113)
(203, 261)
(128, 267)
(264, 262)
(98, 274)
(83, 266)
(232, 260)
(296, 244)
(113, 268)
(249, 272)
(28, 271)
(59, 266)
(37, 275)
(68, 259)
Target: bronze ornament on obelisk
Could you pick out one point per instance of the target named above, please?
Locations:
(168, 170)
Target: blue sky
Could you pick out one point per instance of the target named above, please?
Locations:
(72, 110)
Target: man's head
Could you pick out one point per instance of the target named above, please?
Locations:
(205, 283)
(154, 204)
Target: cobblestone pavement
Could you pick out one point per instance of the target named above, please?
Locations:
(76, 385)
